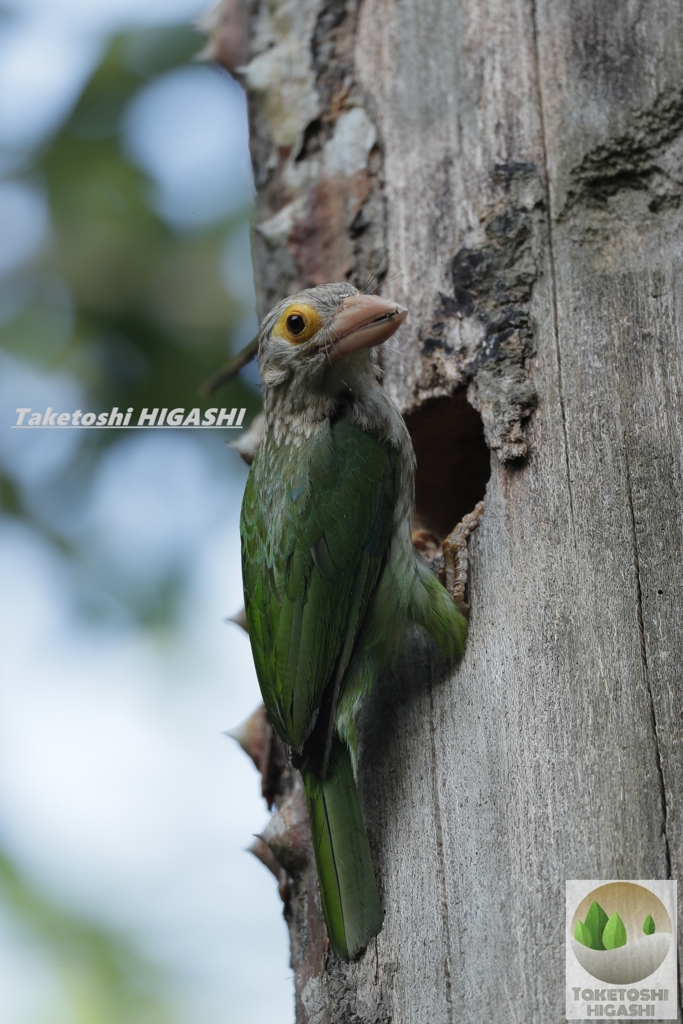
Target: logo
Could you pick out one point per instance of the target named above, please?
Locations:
(621, 949)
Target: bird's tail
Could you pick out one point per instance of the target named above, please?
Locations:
(351, 904)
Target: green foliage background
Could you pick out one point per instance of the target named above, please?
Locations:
(138, 314)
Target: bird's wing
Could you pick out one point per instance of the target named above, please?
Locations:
(312, 549)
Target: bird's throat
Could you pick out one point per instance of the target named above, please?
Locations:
(294, 416)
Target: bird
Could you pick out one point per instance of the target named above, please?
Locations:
(331, 576)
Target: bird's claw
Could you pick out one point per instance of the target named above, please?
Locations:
(455, 556)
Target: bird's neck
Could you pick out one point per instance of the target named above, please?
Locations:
(294, 414)
(372, 409)
(293, 417)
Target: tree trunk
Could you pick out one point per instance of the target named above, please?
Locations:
(517, 166)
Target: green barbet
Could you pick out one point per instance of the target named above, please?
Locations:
(330, 572)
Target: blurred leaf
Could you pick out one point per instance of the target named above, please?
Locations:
(104, 977)
(136, 312)
(649, 925)
(155, 50)
(145, 309)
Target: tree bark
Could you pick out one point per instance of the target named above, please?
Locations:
(517, 165)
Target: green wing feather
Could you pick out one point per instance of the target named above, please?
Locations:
(316, 521)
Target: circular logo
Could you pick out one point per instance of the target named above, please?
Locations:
(621, 933)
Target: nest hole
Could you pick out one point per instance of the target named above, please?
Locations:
(453, 462)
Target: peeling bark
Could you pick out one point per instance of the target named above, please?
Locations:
(317, 162)
(517, 167)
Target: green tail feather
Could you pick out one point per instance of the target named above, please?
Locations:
(351, 905)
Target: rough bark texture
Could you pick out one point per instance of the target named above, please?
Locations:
(518, 165)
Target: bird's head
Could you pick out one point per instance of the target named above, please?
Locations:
(315, 339)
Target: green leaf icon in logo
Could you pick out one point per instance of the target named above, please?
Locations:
(614, 934)
(596, 919)
(582, 935)
(649, 925)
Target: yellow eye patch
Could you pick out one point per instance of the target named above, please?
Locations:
(298, 323)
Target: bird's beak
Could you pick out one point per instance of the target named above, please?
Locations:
(364, 321)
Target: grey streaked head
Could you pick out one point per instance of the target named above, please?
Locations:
(306, 335)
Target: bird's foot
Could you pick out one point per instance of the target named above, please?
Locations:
(455, 556)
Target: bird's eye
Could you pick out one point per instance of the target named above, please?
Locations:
(296, 324)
